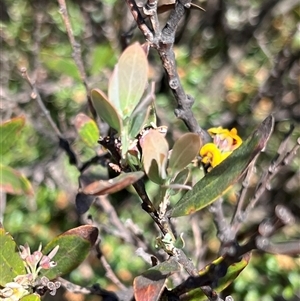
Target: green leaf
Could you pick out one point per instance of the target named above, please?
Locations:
(11, 264)
(113, 185)
(102, 56)
(74, 246)
(106, 110)
(152, 118)
(180, 179)
(60, 65)
(129, 79)
(155, 155)
(138, 121)
(9, 131)
(228, 172)
(13, 182)
(31, 297)
(184, 151)
(232, 272)
(149, 285)
(87, 130)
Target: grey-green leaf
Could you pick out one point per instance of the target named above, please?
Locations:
(106, 110)
(129, 79)
(184, 151)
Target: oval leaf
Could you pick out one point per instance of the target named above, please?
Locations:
(129, 79)
(87, 129)
(13, 182)
(9, 133)
(138, 122)
(74, 246)
(11, 264)
(113, 185)
(155, 154)
(150, 285)
(106, 110)
(228, 172)
(184, 151)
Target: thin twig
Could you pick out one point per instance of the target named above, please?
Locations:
(150, 9)
(273, 170)
(76, 53)
(109, 271)
(163, 42)
(37, 39)
(63, 143)
(199, 247)
(74, 288)
(237, 217)
(139, 20)
(94, 290)
(36, 95)
(115, 220)
(223, 228)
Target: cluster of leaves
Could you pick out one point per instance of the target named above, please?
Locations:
(136, 145)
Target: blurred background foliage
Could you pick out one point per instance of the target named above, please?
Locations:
(239, 59)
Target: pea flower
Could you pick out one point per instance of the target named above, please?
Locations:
(224, 143)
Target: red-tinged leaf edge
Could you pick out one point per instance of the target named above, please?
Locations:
(86, 232)
(13, 182)
(74, 246)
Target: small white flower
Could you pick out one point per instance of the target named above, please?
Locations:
(13, 291)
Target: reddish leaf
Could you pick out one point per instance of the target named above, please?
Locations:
(113, 185)
(155, 155)
(150, 285)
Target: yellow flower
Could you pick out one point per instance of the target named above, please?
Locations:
(224, 143)
(210, 154)
(224, 139)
